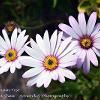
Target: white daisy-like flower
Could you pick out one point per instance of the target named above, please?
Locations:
(11, 50)
(88, 38)
(49, 59)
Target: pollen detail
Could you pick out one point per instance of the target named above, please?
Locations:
(11, 55)
(50, 62)
(86, 42)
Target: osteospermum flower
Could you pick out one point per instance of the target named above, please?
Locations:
(49, 59)
(88, 38)
(11, 50)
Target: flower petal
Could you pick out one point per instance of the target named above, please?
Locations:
(6, 38)
(20, 52)
(82, 22)
(86, 65)
(20, 38)
(91, 22)
(40, 43)
(96, 51)
(35, 46)
(2, 61)
(53, 41)
(46, 42)
(61, 76)
(18, 65)
(69, 74)
(68, 64)
(29, 61)
(32, 81)
(69, 48)
(44, 78)
(21, 35)
(68, 58)
(14, 38)
(58, 41)
(41, 78)
(97, 40)
(75, 25)
(97, 45)
(54, 74)
(12, 67)
(96, 30)
(32, 72)
(2, 51)
(68, 30)
(47, 79)
(21, 43)
(63, 45)
(3, 44)
(5, 68)
(97, 35)
(35, 53)
(92, 56)
(81, 58)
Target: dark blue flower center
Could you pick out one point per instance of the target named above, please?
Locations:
(50, 62)
(10, 54)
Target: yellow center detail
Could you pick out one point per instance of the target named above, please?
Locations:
(50, 62)
(86, 42)
(11, 55)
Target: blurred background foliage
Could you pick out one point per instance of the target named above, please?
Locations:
(36, 16)
(89, 6)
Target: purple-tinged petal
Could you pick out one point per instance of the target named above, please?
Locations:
(68, 30)
(91, 22)
(92, 56)
(82, 22)
(75, 25)
(86, 65)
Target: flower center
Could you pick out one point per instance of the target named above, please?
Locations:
(10, 26)
(86, 42)
(11, 55)
(50, 62)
